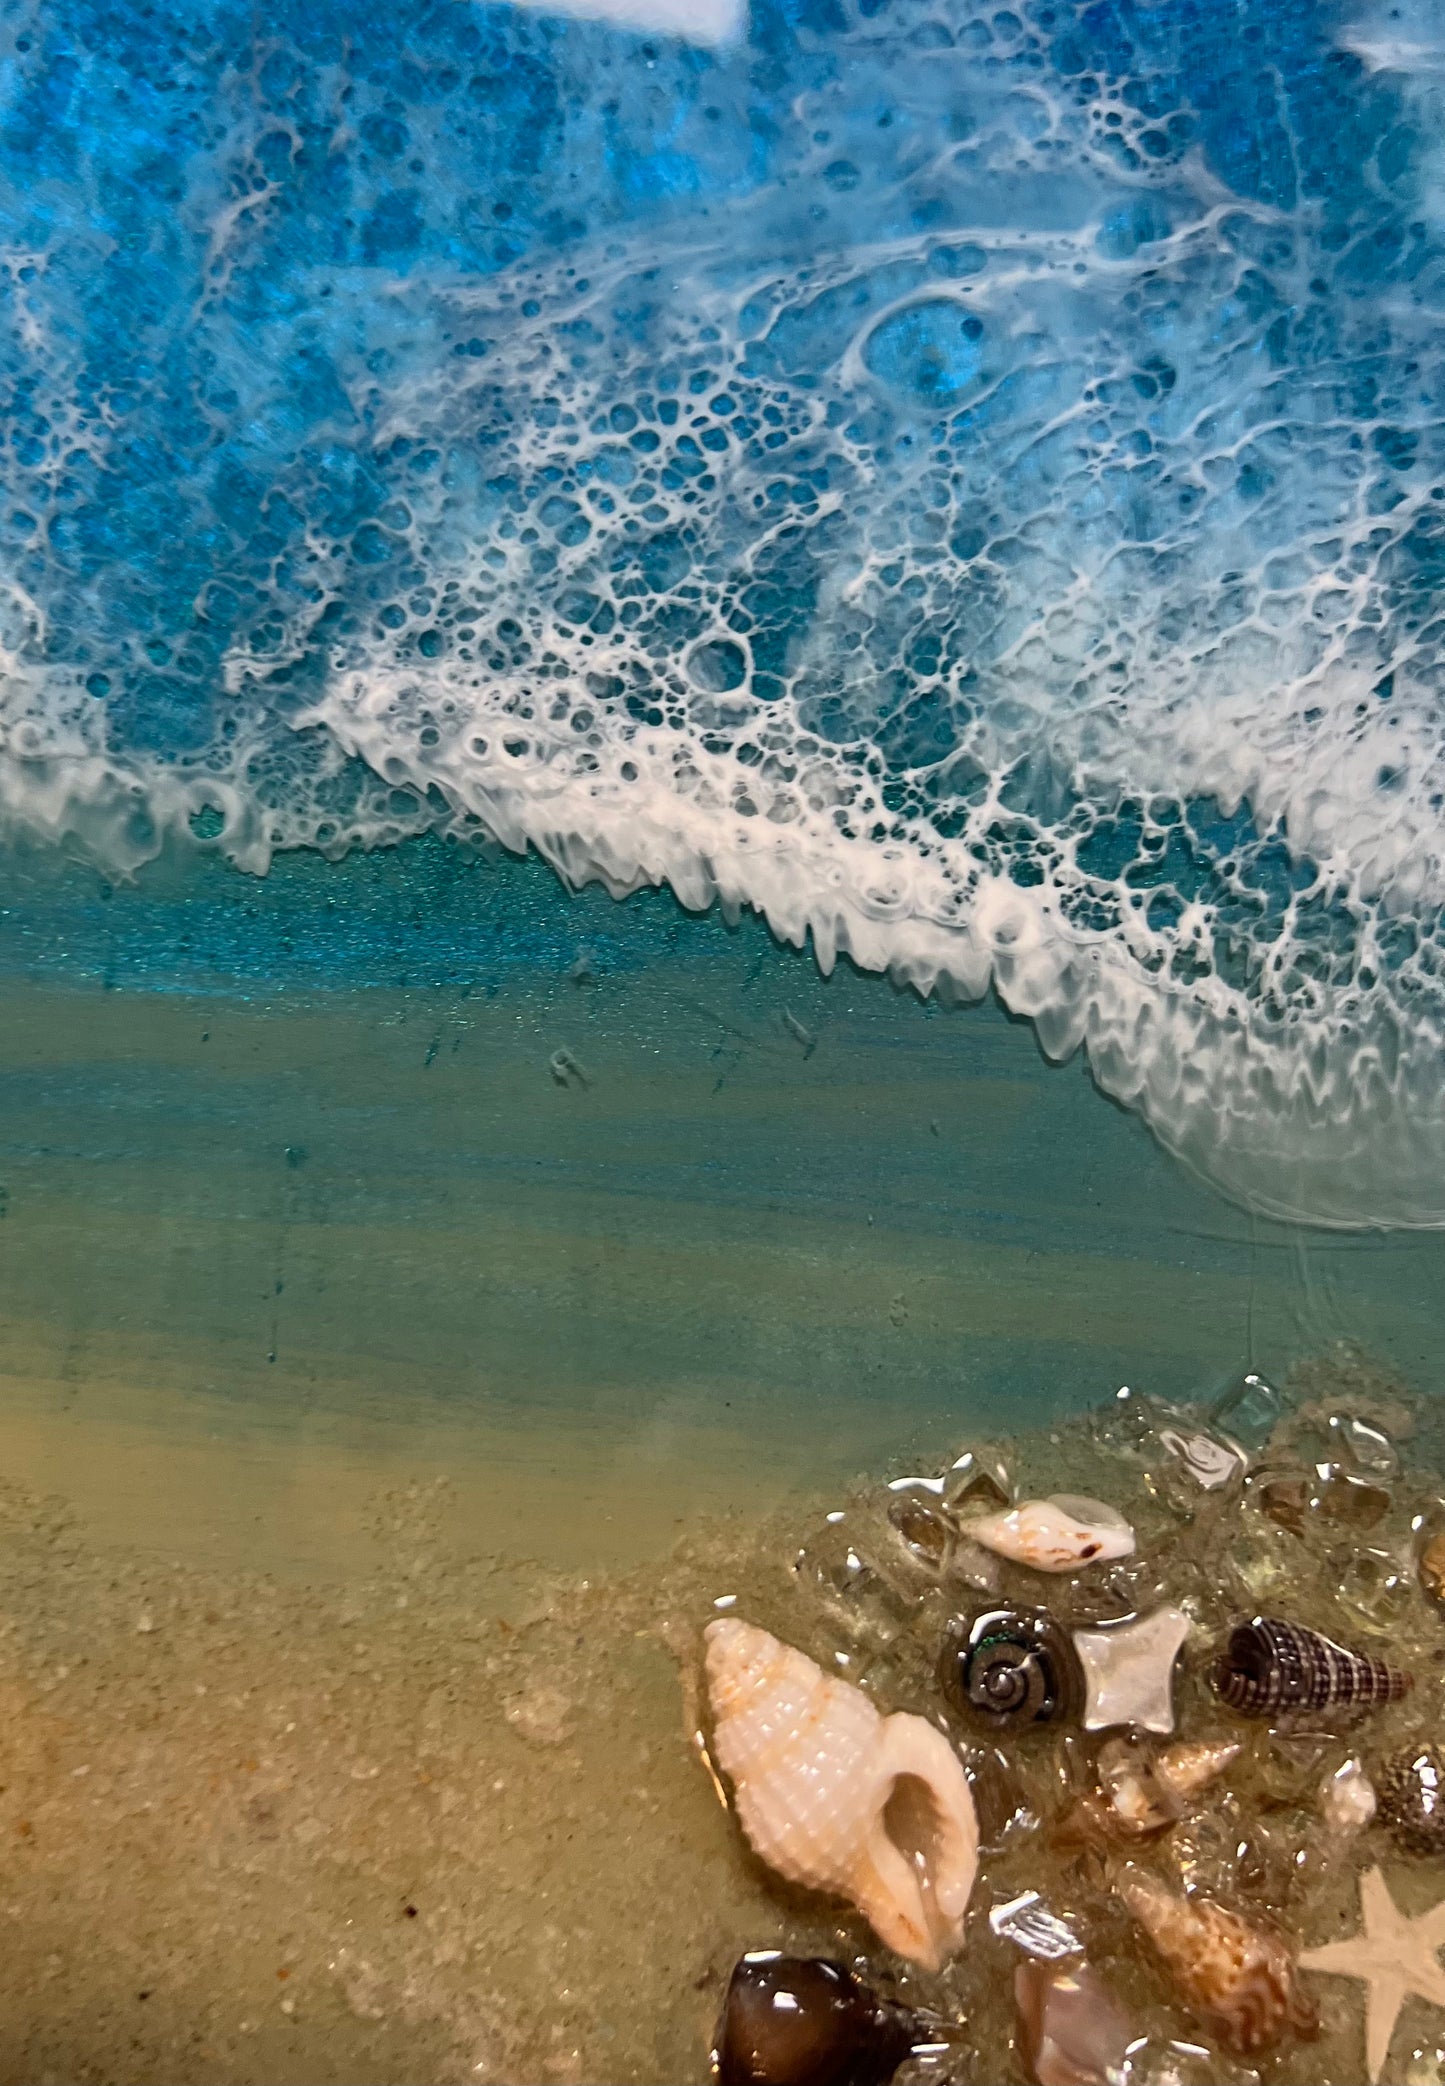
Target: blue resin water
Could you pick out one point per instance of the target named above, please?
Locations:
(965, 482)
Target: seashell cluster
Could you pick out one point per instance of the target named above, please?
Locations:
(1020, 1666)
(1013, 1666)
(805, 2021)
(837, 1797)
(1412, 1797)
(880, 1809)
(1061, 1534)
(1270, 1668)
(1239, 1979)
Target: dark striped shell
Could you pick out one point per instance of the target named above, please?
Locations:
(1412, 1797)
(1270, 1667)
(1011, 1666)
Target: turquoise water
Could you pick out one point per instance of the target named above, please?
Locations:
(419, 1150)
(721, 770)
(961, 481)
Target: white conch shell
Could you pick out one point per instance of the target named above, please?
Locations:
(1055, 1535)
(833, 1795)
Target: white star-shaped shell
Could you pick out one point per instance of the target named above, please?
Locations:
(1129, 1671)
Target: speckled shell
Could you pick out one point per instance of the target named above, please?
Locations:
(1011, 1666)
(1055, 1535)
(1239, 1979)
(1270, 1667)
(1412, 1797)
(813, 1767)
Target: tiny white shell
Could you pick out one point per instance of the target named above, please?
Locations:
(1348, 1799)
(1061, 1534)
(834, 1795)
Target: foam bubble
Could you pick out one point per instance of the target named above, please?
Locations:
(977, 518)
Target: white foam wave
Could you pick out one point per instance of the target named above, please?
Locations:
(1126, 667)
(1029, 583)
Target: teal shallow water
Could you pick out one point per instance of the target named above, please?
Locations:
(753, 1229)
(384, 1401)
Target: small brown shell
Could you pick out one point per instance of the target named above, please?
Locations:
(1240, 1979)
(1412, 1797)
(1271, 1667)
(1432, 1568)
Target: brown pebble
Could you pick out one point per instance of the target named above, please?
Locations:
(804, 2021)
(1287, 1503)
(1353, 1501)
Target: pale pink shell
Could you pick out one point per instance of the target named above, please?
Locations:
(833, 1795)
(1055, 1535)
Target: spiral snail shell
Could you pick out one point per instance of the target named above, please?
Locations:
(1011, 1666)
(1241, 1979)
(1270, 1667)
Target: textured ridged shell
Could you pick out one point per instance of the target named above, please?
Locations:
(837, 1797)
(1055, 1535)
(1239, 1979)
(1271, 1667)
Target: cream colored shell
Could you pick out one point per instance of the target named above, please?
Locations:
(1061, 1534)
(833, 1795)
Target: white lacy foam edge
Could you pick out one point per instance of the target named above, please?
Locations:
(1346, 1137)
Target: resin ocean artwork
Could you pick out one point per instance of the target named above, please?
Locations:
(722, 1007)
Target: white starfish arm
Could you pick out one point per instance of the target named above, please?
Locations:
(1428, 1979)
(1384, 1997)
(1335, 1959)
(1379, 1913)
